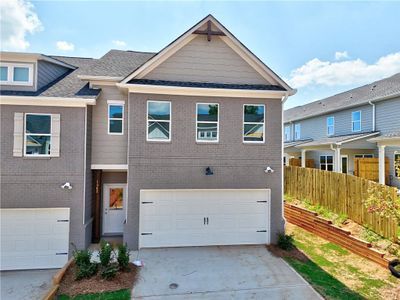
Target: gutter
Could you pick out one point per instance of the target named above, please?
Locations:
(373, 115)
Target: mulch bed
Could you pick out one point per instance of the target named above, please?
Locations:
(294, 253)
(71, 287)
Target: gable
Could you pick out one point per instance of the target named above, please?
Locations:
(204, 61)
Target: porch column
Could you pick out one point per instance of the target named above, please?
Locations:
(381, 164)
(338, 160)
(303, 158)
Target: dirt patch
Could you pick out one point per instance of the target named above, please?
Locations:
(71, 287)
(294, 253)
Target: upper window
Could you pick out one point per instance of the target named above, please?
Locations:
(37, 134)
(158, 121)
(297, 131)
(330, 125)
(115, 117)
(16, 74)
(287, 133)
(207, 125)
(356, 121)
(253, 123)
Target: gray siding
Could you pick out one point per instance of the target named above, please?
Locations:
(203, 61)
(88, 178)
(35, 182)
(180, 164)
(48, 72)
(108, 149)
(388, 115)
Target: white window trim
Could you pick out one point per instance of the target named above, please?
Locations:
(167, 121)
(38, 134)
(115, 103)
(298, 125)
(10, 74)
(352, 121)
(328, 126)
(207, 122)
(326, 163)
(245, 123)
(287, 138)
(394, 164)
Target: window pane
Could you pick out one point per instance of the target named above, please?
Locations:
(159, 111)
(207, 112)
(329, 159)
(253, 132)
(322, 159)
(21, 74)
(329, 167)
(37, 144)
(207, 131)
(356, 116)
(4, 74)
(158, 130)
(368, 156)
(254, 113)
(115, 111)
(330, 121)
(38, 124)
(115, 126)
(116, 198)
(330, 130)
(356, 126)
(323, 167)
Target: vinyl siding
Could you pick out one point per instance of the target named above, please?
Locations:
(48, 72)
(181, 163)
(108, 149)
(388, 115)
(203, 61)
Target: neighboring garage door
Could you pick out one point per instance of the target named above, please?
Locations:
(35, 238)
(173, 218)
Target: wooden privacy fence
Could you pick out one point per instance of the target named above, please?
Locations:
(340, 193)
(296, 162)
(368, 168)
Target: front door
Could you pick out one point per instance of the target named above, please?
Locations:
(114, 198)
(344, 164)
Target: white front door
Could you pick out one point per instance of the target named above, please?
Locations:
(174, 218)
(114, 198)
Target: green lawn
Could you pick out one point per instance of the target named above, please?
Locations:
(116, 295)
(336, 273)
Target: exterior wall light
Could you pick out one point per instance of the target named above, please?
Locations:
(209, 171)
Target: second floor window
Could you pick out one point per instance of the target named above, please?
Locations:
(207, 125)
(297, 131)
(37, 134)
(16, 74)
(253, 123)
(159, 121)
(356, 121)
(287, 133)
(330, 125)
(115, 117)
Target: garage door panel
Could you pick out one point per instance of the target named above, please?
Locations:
(34, 238)
(177, 218)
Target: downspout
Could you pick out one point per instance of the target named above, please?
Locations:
(335, 157)
(373, 115)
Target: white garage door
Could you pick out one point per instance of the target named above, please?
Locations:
(34, 238)
(173, 218)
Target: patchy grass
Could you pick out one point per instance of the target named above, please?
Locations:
(116, 295)
(337, 273)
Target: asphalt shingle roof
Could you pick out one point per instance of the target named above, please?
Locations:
(358, 96)
(395, 135)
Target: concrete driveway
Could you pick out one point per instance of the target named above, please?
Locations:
(228, 272)
(25, 285)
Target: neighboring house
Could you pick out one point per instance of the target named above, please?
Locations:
(164, 149)
(360, 123)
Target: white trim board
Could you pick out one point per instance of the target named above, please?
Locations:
(109, 167)
(46, 101)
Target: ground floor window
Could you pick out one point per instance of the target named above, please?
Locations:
(397, 164)
(364, 156)
(326, 162)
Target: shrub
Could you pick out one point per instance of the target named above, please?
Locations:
(109, 271)
(84, 267)
(82, 257)
(105, 253)
(285, 241)
(123, 257)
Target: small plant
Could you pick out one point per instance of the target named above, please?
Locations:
(105, 253)
(370, 236)
(123, 257)
(110, 271)
(82, 257)
(84, 267)
(285, 241)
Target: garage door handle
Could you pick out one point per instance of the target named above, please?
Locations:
(62, 220)
(62, 253)
(204, 220)
(261, 201)
(207, 220)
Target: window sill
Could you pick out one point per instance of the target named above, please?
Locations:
(158, 142)
(37, 157)
(254, 143)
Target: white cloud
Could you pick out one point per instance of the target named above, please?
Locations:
(119, 43)
(18, 19)
(348, 72)
(65, 46)
(341, 55)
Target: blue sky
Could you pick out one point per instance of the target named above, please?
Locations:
(298, 40)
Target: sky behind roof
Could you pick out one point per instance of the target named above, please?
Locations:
(320, 48)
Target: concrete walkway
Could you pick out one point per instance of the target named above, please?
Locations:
(25, 285)
(228, 272)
